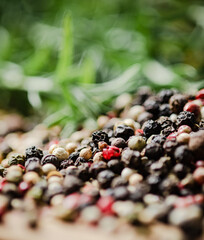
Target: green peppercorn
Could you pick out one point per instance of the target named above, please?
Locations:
(136, 143)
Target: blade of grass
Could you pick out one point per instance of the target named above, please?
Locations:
(66, 52)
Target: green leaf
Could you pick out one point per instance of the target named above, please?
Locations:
(66, 52)
(88, 72)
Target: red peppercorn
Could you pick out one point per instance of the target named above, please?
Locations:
(198, 175)
(2, 183)
(199, 163)
(21, 166)
(105, 204)
(189, 200)
(184, 129)
(172, 135)
(72, 201)
(111, 151)
(139, 132)
(200, 94)
(23, 187)
(192, 107)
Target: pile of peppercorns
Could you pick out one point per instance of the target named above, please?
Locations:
(144, 164)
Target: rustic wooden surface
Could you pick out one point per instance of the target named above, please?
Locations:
(14, 227)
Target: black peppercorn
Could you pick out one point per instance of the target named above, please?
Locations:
(152, 105)
(115, 165)
(177, 103)
(124, 132)
(158, 139)
(50, 159)
(143, 117)
(151, 127)
(120, 193)
(105, 178)
(131, 158)
(153, 150)
(140, 190)
(100, 136)
(66, 163)
(118, 142)
(153, 180)
(16, 159)
(33, 152)
(119, 181)
(35, 167)
(164, 110)
(97, 167)
(185, 118)
(79, 161)
(180, 170)
(164, 95)
(72, 184)
(183, 154)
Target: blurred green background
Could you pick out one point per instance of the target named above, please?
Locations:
(66, 61)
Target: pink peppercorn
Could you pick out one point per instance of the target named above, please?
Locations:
(105, 204)
(189, 200)
(110, 152)
(184, 129)
(192, 107)
(200, 94)
(172, 135)
(23, 187)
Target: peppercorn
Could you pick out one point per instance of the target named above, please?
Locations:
(33, 152)
(118, 142)
(164, 110)
(73, 156)
(185, 118)
(72, 184)
(142, 94)
(35, 167)
(30, 160)
(151, 127)
(131, 158)
(123, 131)
(50, 159)
(16, 159)
(153, 151)
(83, 172)
(136, 143)
(1, 170)
(48, 167)
(60, 153)
(170, 145)
(140, 190)
(66, 163)
(99, 136)
(97, 167)
(198, 175)
(153, 180)
(164, 95)
(183, 154)
(79, 161)
(177, 103)
(196, 144)
(121, 193)
(115, 165)
(180, 170)
(105, 178)
(160, 139)
(143, 117)
(152, 105)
